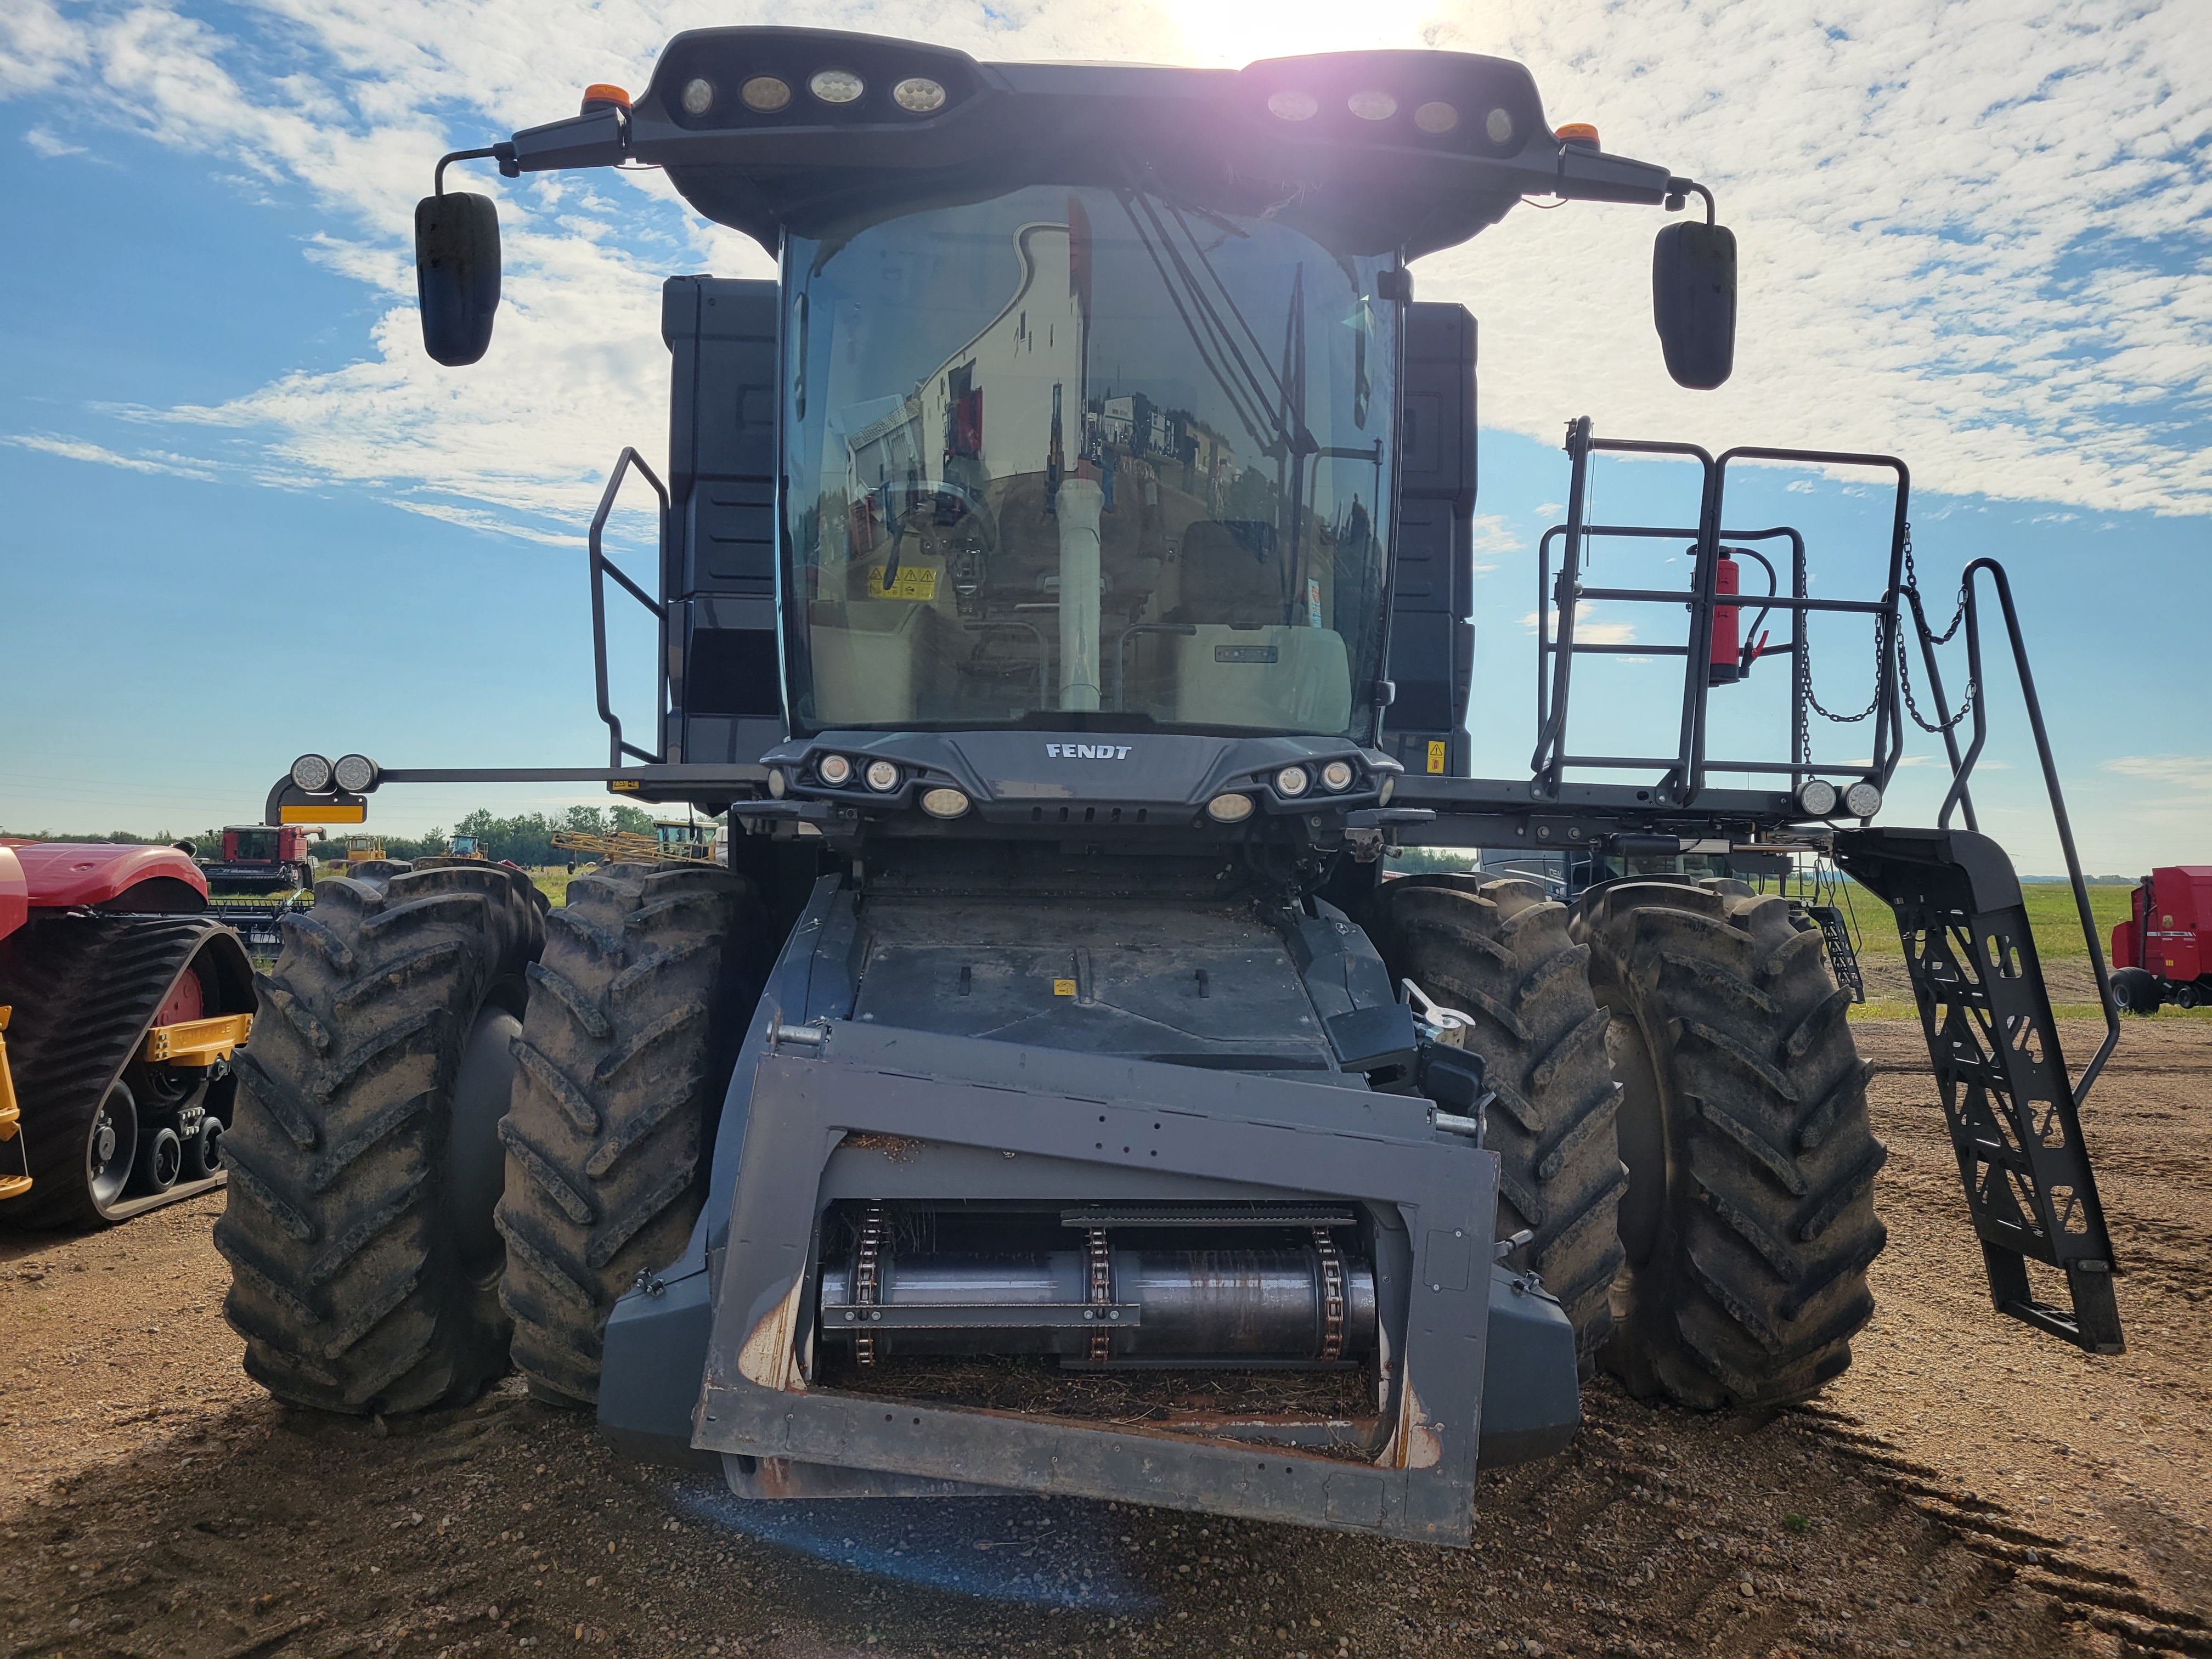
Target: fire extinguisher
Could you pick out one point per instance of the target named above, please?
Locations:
(1730, 660)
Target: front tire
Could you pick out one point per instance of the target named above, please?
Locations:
(1749, 1223)
(358, 1282)
(1499, 952)
(625, 1052)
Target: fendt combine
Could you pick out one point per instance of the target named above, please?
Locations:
(1059, 565)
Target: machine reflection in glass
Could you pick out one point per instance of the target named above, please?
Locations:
(1012, 492)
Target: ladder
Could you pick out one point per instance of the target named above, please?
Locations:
(1842, 955)
(2006, 1093)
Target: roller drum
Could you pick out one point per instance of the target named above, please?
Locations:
(1223, 1306)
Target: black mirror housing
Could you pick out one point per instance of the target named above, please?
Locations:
(1693, 302)
(457, 275)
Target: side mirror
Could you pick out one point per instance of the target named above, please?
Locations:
(1693, 302)
(457, 275)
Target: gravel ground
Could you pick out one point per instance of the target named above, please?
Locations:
(1967, 1487)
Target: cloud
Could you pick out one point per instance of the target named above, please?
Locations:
(49, 146)
(2189, 771)
(76, 449)
(1588, 632)
(1975, 234)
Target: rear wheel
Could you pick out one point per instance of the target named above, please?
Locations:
(625, 1052)
(1749, 1223)
(1499, 952)
(2134, 991)
(364, 1268)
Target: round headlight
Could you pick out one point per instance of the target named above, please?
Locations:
(834, 770)
(1336, 776)
(356, 774)
(698, 97)
(1292, 105)
(1389, 788)
(1863, 798)
(1231, 808)
(312, 772)
(1816, 797)
(1293, 780)
(1436, 118)
(765, 94)
(776, 784)
(882, 777)
(1498, 124)
(919, 96)
(944, 803)
(837, 87)
(1372, 106)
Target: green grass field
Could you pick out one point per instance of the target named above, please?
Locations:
(2050, 916)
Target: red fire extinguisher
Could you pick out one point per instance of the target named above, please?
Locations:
(1730, 660)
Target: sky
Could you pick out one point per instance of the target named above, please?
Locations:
(246, 516)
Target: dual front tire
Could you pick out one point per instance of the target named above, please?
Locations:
(1681, 1121)
(464, 1122)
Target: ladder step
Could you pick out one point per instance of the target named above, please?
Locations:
(2007, 1096)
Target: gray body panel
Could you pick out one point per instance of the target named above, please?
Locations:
(1008, 1093)
(1289, 1137)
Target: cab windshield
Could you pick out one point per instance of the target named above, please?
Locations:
(1085, 458)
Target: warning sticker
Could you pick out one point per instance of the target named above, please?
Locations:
(914, 581)
(1063, 988)
(1436, 757)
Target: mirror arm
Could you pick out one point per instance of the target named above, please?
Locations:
(503, 153)
(1678, 191)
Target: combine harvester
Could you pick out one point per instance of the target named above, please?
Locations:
(1060, 566)
(122, 999)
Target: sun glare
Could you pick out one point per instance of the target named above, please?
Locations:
(1234, 32)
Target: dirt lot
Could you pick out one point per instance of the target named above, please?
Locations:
(1968, 1486)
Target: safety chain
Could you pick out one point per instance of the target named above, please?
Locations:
(1332, 1295)
(1911, 593)
(1102, 1293)
(866, 1282)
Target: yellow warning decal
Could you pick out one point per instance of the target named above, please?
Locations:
(1063, 988)
(356, 813)
(1436, 757)
(914, 581)
(621, 786)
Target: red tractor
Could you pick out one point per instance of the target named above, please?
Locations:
(122, 1001)
(2163, 951)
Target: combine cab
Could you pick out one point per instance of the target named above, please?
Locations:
(1063, 589)
(124, 1001)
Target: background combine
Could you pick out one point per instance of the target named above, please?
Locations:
(1063, 587)
(124, 1002)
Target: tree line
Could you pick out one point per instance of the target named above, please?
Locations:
(525, 839)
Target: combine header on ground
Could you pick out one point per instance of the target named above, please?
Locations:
(1063, 587)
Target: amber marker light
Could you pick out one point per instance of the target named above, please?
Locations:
(605, 94)
(1580, 134)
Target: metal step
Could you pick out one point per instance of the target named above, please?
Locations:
(2006, 1092)
(1842, 955)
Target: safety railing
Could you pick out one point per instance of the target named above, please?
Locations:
(1682, 775)
(602, 568)
(1960, 798)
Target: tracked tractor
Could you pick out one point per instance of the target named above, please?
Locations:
(1062, 584)
(123, 1002)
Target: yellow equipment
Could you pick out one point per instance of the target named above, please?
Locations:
(672, 840)
(11, 1186)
